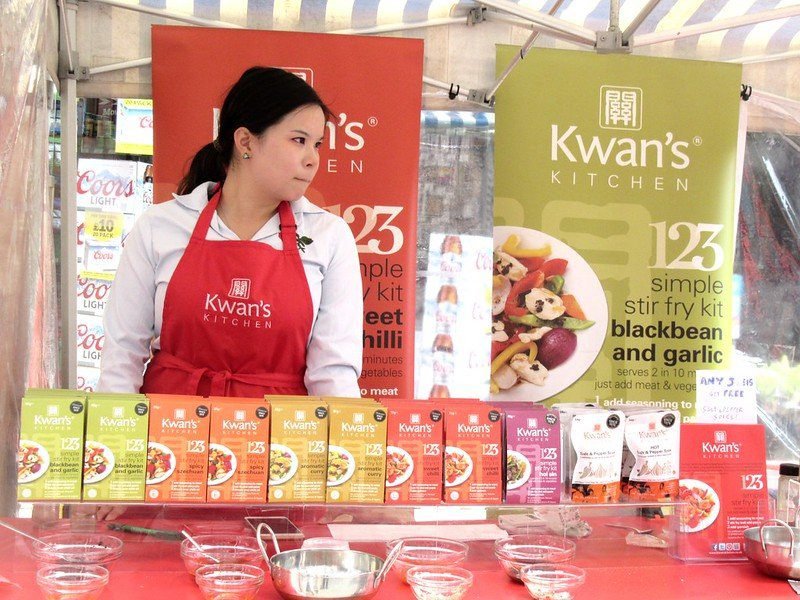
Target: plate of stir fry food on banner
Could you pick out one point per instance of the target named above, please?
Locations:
(457, 466)
(160, 462)
(549, 315)
(98, 461)
(221, 464)
(283, 464)
(702, 505)
(341, 465)
(399, 466)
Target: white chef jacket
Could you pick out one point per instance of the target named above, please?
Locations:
(134, 312)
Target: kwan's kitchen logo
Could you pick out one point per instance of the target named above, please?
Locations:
(240, 288)
(620, 107)
(238, 309)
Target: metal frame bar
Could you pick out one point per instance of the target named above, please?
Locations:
(637, 21)
(658, 37)
(746, 60)
(128, 64)
(400, 26)
(62, 11)
(552, 25)
(492, 15)
(169, 14)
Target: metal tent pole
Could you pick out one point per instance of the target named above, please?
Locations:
(637, 21)
(694, 30)
(553, 26)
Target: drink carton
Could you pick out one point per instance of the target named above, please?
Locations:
(238, 460)
(115, 450)
(50, 451)
(415, 445)
(298, 450)
(177, 450)
(356, 452)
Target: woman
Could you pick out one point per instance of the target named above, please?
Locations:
(239, 285)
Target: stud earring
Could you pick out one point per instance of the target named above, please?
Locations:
(246, 155)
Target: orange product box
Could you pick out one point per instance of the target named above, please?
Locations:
(177, 448)
(473, 457)
(238, 460)
(414, 449)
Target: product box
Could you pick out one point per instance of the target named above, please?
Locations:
(50, 451)
(414, 449)
(651, 462)
(473, 455)
(115, 450)
(177, 450)
(724, 487)
(596, 456)
(356, 452)
(238, 460)
(298, 450)
(532, 454)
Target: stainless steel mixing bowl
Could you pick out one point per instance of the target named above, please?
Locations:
(774, 549)
(312, 573)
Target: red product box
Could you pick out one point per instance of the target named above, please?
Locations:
(473, 456)
(724, 487)
(415, 444)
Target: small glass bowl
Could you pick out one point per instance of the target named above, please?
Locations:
(552, 581)
(77, 549)
(516, 551)
(439, 583)
(227, 549)
(73, 582)
(427, 551)
(229, 581)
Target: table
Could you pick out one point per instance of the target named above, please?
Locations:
(152, 569)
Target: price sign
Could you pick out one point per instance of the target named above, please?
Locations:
(104, 227)
(726, 397)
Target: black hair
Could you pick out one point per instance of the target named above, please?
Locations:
(260, 98)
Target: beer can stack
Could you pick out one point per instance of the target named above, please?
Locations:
(446, 316)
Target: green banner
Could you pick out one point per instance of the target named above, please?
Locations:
(614, 216)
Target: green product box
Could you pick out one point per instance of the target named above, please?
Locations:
(115, 450)
(50, 452)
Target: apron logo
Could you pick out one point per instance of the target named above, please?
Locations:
(240, 288)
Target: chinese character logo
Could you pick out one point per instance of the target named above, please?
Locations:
(299, 415)
(358, 418)
(533, 423)
(239, 415)
(720, 437)
(415, 418)
(620, 107)
(118, 412)
(240, 288)
(473, 420)
(180, 414)
(303, 73)
(52, 410)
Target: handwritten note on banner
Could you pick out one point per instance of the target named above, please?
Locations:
(726, 397)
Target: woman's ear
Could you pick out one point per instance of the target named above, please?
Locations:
(243, 142)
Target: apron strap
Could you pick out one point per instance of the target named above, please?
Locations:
(204, 222)
(288, 228)
(220, 380)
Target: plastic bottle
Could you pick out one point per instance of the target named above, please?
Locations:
(788, 492)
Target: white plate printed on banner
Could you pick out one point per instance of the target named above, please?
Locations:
(390, 450)
(286, 475)
(156, 451)
(581, 281)
(526, 472)
(25, 474)
(90, 473)
(351, 464)
(710, 493)
(227, 474)
(451, 452)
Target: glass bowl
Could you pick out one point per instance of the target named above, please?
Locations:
(229, 581)
(439, 583)
(72, 582)
(227, 549)
(552, 581)
(77, 549)
(516, 551)
(427, 551)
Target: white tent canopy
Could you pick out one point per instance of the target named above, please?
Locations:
(459, 36)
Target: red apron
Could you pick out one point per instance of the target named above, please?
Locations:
(237, 317)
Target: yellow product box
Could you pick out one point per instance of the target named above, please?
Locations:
(356, 452)
(50, 451)
(115, 450)
(238, 461)
(298, 450)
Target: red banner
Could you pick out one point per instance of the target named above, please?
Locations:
(369, 160)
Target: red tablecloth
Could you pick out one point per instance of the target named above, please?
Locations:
(151, 569)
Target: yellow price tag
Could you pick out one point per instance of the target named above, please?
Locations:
(103, 226)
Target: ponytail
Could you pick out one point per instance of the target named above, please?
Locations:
(207, 165)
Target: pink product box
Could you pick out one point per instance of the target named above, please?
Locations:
(533, 455)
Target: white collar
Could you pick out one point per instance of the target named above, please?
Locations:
(198, 198)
